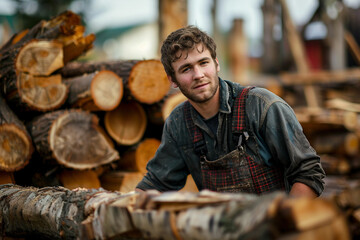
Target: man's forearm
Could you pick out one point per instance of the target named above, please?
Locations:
(302, 190)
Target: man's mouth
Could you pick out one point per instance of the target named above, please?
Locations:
(201, 86)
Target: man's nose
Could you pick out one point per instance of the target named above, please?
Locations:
(198, 73)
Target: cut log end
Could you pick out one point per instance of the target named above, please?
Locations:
(171, 102)
(72, 179)
(107, 90)
(148, 82)
(15, 148)
(122, 181)
(42, 93)
(40, 57)
(126, 124)
(77, 143)
(145, 151)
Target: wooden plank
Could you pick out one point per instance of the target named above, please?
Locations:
(298, 51)
(342, 104)
(321, 77)
(354, 47)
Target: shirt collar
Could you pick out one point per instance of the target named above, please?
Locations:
(224, 97)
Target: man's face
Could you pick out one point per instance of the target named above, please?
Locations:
(196, 74)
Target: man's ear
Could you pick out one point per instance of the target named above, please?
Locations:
(173, 84)
(217, 65)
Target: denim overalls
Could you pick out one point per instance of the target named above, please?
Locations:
(235, 171)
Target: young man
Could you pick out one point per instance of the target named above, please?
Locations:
(228, 137)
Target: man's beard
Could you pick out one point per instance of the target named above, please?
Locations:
(195, 97)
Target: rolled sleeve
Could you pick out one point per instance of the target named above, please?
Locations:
(290, 147)
(167, 170)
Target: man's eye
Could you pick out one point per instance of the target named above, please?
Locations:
(204, 62)
(185, 69)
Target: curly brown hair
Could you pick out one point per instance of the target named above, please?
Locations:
(184, 39)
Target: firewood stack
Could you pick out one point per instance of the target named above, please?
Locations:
(326, 101)
(333, 128)
(60, 213)
(70, 123)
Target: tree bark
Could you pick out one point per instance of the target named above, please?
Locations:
(65, 28)
(72, 138)
(96, 214)
(51, 212)
(28, 62)
(101, 90)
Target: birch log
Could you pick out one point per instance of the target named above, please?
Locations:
(50, 212)
(56, 212)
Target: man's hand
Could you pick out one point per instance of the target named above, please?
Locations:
(139, 190)
(302, 190)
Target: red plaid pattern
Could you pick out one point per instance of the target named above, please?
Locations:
(238, 123)
(236, 171)
(266, 179)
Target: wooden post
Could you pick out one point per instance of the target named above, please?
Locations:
(336, 32)
(173, 14)
(354, 47)
(298, 52)
(270, 58)
(238, 52)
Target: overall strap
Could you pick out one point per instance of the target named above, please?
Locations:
(238, 118)
(238, 123)
(195, 133)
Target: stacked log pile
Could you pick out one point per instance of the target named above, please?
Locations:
(60, 213)
(333, 127)
(63, 121)
(326, 101)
